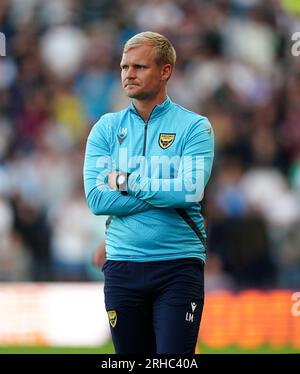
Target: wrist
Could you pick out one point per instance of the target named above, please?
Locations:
(122, 182)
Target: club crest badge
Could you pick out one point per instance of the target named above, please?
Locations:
(166, 140)
(112, 316)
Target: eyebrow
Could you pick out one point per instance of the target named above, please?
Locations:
(134, 65)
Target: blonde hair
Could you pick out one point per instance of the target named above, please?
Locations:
(165, 52)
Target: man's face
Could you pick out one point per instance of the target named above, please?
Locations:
(141, 77)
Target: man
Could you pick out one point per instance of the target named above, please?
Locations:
(146, 167)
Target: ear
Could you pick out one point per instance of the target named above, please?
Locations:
(166, 72)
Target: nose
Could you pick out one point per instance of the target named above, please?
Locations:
(130, 73)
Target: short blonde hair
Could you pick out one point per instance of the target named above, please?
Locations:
(165, 52)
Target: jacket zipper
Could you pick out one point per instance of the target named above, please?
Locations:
(145, 131)
(145, 137)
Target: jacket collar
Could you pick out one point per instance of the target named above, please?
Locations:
(157, 110)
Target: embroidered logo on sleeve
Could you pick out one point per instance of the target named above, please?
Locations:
(122, 135)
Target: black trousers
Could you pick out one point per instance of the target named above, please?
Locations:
(154, 307)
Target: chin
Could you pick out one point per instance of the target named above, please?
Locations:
(139, 95)
(132, 95)
(134, 91)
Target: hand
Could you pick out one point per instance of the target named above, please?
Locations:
(98, 256)
(112, 180)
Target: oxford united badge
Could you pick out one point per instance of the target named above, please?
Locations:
(166, 140)
(112, 316)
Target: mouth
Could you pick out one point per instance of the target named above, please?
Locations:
(130, 85)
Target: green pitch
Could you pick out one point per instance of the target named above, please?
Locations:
(108, 348)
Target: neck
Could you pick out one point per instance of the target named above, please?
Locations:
(145, 107)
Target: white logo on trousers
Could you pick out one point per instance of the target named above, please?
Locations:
(190, 316)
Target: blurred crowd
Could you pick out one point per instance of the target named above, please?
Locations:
(61, 73)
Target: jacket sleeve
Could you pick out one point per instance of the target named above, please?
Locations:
(193, 174)
(101, 199)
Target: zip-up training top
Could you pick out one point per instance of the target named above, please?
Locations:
(169, 159)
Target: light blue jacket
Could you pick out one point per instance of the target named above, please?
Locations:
(170, 160)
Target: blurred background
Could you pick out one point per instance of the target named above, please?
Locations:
(235, 66)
